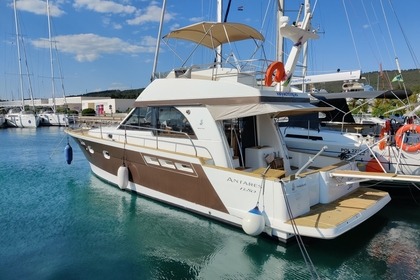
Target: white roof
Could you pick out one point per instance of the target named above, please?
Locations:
(224, 112)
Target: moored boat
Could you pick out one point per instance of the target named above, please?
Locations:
(204, 138)
(20, 117)
(16, 117)
(392, 146)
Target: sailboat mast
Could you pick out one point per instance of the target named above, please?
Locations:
(18, 54)
(51, 56)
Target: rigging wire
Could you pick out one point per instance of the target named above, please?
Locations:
(410, 48)
(384, 45)
(351, 33)
(227, 11)
(377, 52)
(395, 53)
(389, 31)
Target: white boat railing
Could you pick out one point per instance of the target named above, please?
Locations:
(254, 68)
(158, 138)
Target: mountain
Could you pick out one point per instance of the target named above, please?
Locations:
(411, 79)
(116, 93)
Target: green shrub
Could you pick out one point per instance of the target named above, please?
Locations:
(88, 112)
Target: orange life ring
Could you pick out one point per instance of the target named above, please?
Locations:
(280, 73)
(399, 136)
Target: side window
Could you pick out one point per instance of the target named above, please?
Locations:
(170, 119)
(140, 117)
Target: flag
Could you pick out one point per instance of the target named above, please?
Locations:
(398, 78)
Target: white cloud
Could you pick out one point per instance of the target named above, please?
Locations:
(89, 47)
(196, 19)
(174, 26)
(149, 41)
(151, 14)
(38, 7)
(108, 22)
(104, 6)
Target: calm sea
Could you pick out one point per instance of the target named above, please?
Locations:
(58, 221)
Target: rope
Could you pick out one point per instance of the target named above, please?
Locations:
(412, 194)
(304, 252)
(59, 143)
(125, 142)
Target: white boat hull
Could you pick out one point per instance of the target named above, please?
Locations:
(226, 194)
(341, 146)
(54, 119)
(22, 120)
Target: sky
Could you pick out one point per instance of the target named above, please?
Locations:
(110, 44)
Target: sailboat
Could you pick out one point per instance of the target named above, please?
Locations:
(50, 116)
(2, 120)
(385, 147)
(204, 138)
(19, 117)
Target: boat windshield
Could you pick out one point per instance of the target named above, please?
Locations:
(161, 119)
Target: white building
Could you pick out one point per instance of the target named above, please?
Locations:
(108, 106)
(102, 105)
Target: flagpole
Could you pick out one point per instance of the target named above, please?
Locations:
(400, 78)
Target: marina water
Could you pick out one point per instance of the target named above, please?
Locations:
(59, 221)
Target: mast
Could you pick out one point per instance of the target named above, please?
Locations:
(279, 38)
(51, 56)
(162, 17)
(300, 32)
(18, 54)
(219, 19)
(305, 50)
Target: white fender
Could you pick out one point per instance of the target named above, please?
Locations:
(253, 222)
(122, 177)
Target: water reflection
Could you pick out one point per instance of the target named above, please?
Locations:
(59, 221)
(177, 244)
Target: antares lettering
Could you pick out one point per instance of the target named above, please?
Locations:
(243, 183)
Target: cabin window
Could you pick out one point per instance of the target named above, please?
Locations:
(140, 117)
(171, 119)
(166, 119)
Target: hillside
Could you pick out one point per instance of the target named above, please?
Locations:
(116, 93)
(411, 80)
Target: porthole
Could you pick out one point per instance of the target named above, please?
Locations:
(106, 154)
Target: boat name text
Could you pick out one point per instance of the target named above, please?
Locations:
(245, 185)
(287, 94)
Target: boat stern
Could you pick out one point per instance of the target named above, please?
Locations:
(331, 220)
